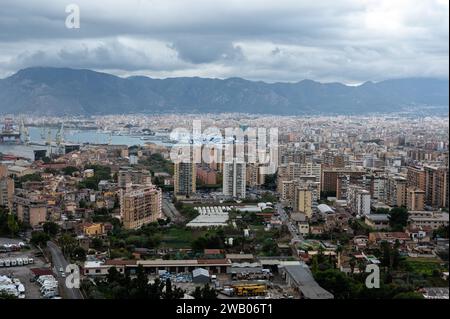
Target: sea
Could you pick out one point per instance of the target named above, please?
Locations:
(39, 136)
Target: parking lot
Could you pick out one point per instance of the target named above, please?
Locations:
(23, 273)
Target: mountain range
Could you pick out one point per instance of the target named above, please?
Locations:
(65, 91)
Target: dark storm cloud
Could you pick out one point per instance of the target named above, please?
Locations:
(287, 40)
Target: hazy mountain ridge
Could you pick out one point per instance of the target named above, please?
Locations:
(63, 91)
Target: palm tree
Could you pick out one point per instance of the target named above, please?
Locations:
(352, 264)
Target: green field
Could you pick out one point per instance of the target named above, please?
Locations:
(180, 237)
(423, 266)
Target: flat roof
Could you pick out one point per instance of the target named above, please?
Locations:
(162, 262)
(239, 256)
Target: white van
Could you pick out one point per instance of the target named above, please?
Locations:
(7, 263)
(49, 283)
(30, 260)
(19, 262)
(25, 261)
(2, 263)
(13, 262)
(50, 294)
(46, 289)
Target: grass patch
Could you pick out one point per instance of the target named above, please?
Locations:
(180, 237)
(423, 266)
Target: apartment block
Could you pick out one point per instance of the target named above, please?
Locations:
(358, 200)
(31, 211)
(185, 179)
(415, 198)
(140, 205)
(234, 179)
(303, 201)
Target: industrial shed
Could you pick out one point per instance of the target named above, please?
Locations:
(200, 276)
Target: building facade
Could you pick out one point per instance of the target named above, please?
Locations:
(140, 205)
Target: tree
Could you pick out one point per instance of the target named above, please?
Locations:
(69, 170)
(39, 238)
(97, 243)
(338, 283)
(68, 244)
(79, 253)
(206, 292)
(386, 254)
(13, 226)
(270, 247)
(352, 264)
(408, 295)
(441, 232)
(113, 275)
(398, 218)
(172, 292)
(4, 295)
(51, 228)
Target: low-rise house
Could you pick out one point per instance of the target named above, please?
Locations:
(377, 221)
(360, 241)
(431, 219)
(419, 233)
(301, 221)
(316, 230)
(390, 237)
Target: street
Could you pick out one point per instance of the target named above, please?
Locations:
(170, 211)
(59, 261)
(296, 236)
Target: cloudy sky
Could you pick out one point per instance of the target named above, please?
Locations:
(350, 41)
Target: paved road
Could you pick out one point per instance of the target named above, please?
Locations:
(59, 261)
(296, 236)
(170, 211)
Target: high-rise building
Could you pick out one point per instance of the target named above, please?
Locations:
(127, 175)
(140, 205)
(303, 201)
(330, 176)
(440, 188)
(416, 177)
(396, 194)
(358, 200)
(234, 179)
(31, 211)
(3, 171)
(6, 192)
(184, 179)
(287, 192)
(415, 198)
(254, 176)
(206, 175)
(436, 186)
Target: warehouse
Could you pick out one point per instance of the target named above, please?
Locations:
(200, 276)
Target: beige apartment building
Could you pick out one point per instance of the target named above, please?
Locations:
(6, 192)
(415, 198)
(140, 205)
(31, 212)
(254, 176)
(303, 201)
(396, 193)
